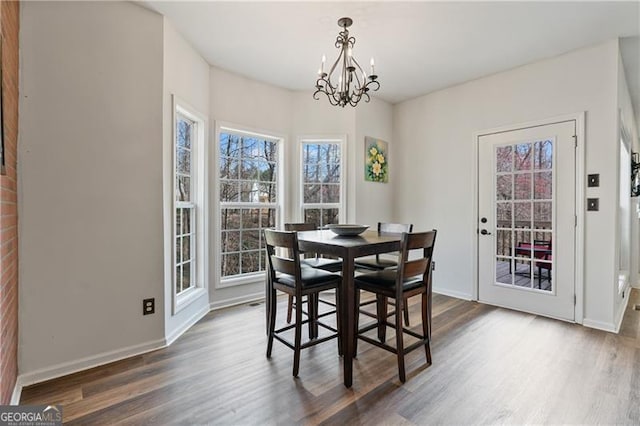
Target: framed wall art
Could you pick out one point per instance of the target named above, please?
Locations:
(376, 160)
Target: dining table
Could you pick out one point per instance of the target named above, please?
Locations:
(348, 248)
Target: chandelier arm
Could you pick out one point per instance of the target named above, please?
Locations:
(335, 64)
(374, 82)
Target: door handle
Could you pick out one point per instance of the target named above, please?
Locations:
(485, 232)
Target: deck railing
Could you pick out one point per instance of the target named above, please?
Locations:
(522, 234)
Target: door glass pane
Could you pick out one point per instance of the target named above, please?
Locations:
(503, 242)
(504, 158)
(522, 244)
(522, 186)
(542, 214)
(522, 273)
(522, 156)
(504, 270)
(542, 185)
(543, 157)
(504, 212)
(503, 187)
(522, 214)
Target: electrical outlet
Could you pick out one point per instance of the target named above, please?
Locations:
(433, 265)
(148, 306)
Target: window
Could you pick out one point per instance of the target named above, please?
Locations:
(248, 199)
(321, 180)
(188, 230)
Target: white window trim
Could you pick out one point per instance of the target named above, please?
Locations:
(342, 205)
(256, 277)
(201, 201)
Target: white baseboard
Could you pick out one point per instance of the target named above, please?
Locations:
(623, 310)
(179, 331)
(86, 363)
(453, 293)
(599, 325)
(236, 301)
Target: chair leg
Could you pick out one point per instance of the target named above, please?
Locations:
(381, 308)
(338, 323)
(298, 338)
(271, 326)
(406, 311)
(312, 303)
(289, 309)
(399, 339)
(426, 322)
(539, 277)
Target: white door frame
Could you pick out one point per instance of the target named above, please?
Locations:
(579, 201)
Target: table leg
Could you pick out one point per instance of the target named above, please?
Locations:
(348, 318)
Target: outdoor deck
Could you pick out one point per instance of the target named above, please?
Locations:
(522, 276)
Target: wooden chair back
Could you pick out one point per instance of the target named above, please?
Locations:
(301, 227)
(394, 228)
(415, 267)
(288, 242)
(296, 227)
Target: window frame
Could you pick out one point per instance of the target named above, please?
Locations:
(225, 127)
(342, 206)
(199, 203)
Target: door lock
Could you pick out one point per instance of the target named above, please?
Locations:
(485, 232)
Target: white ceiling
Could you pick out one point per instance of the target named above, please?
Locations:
(419, 47)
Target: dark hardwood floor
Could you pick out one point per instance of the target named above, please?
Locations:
(490, 365)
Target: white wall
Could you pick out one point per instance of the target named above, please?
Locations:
(90, 174)
(435, 186)
(374, 200)
(186, 76)
(627, 119)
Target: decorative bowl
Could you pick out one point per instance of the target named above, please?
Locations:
(347, 230)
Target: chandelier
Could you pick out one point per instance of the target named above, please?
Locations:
(352, 83)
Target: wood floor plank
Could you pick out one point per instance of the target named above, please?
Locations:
(490, 365)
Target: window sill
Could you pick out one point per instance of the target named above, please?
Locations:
(186, 298)
(245, 279)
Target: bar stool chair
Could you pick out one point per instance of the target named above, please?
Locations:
(379, 263)
(331, 265)
(286, 274)
(411, 278)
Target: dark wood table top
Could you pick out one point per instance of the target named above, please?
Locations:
(369, 242)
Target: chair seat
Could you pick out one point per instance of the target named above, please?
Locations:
(331, 265)
(373, 263)
(311, 277)
(386, 279)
